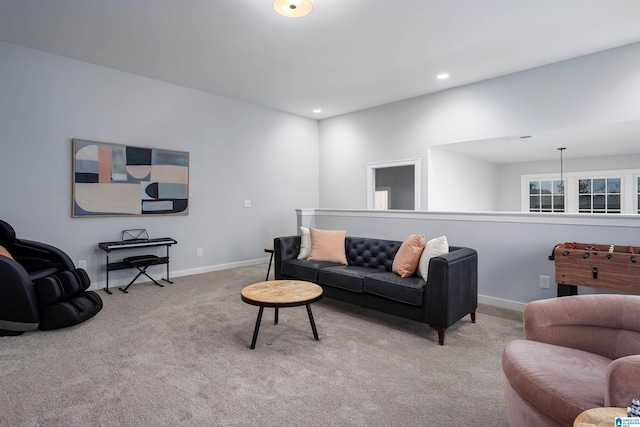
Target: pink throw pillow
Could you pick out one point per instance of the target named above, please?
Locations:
(408, 256)
(5, 252)
(328, 245)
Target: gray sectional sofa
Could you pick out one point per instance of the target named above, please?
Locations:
(449, 293)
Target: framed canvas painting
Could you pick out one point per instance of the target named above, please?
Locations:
(123, 180)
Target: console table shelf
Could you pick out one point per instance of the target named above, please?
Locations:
(121, 265)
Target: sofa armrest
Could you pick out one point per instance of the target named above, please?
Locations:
(284, 248)
(604, 324)
(452, 287)
(622, 381)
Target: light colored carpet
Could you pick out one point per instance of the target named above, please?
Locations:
(179, 355)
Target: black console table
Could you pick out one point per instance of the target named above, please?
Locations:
(136, 244)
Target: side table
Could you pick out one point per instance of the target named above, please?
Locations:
(599, 417)
(281, 293)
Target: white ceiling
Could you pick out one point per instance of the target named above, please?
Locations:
(347, 55)
(592, 141)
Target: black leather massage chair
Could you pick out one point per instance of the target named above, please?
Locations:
(40, 287)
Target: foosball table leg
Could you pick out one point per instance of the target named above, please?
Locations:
(567, 290)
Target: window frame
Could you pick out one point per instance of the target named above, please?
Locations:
(629, 191)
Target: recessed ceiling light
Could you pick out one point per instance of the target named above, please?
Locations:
(293, 8)
(443, 76)
(516, 137)
(317, 110)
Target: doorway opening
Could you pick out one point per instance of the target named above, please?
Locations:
(393, 185)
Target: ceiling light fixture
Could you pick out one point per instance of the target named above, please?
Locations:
(293, 8)
(516, 137)
(317, 110)
(442, 76)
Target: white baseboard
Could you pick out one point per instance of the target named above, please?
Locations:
(502, 303)
(219, 267)
(116, 283)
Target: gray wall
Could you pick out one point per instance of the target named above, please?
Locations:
(461, 183)
(237, 151)
(596, 89)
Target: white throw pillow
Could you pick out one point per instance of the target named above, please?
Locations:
(305, 243)
(434, 247)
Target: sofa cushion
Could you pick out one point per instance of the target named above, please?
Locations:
(328, 245)
(558, 381)
(406, 260)
(303, 269)
(345, 277)
(372, 253)
(409, 290)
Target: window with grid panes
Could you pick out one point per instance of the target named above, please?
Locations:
(546, 196)
(600, 192)
(599, 195)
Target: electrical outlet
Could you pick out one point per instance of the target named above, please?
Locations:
(247, 203)
(545, 282)
(199, 252)
(82, 264)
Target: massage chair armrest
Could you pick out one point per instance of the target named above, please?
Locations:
(452, 286)
(36, 256)
(284, 248)
(622, 381)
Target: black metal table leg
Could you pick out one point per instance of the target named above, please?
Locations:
(141, 270)
(131, 283)
(168, 280)
(144, 271)
(257, 328)
(275, 318)
(269, 249)
(313, 324)
(269, 269)
(107, 288)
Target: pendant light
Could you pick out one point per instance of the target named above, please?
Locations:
(561, 149)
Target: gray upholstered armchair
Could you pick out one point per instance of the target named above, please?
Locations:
(579, 352)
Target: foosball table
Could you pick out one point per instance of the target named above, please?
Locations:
(611, 267)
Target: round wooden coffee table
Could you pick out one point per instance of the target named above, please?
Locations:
(281, 293)
(600, 417)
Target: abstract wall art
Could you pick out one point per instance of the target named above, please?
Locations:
(122, 180)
